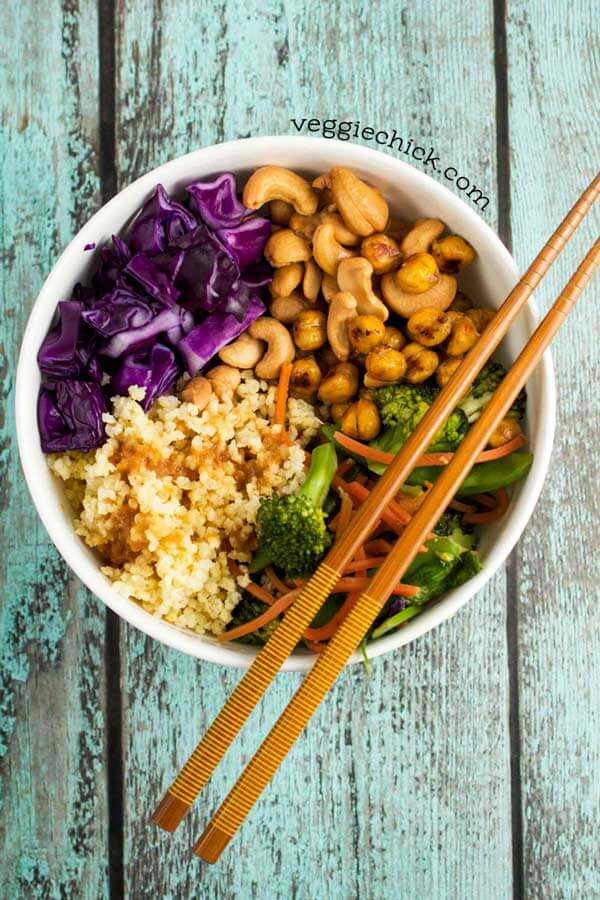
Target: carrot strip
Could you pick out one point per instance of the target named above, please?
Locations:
(357, 565)
(492, 515)
(459, 506)
(260, 593)
(315, 647)
(281, 586)
(345, 513)
(281, 397)
(504, 450)
(280, 605)
(378, 546)
(490, 501)
(363, 450)
(344, 467)
(427, 459)
(393, 515)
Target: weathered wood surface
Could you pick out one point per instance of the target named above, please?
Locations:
(53, 823)
(401, 786)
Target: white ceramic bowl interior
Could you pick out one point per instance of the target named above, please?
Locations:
(410, 194)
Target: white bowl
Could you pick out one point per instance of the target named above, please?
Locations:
(410, 193)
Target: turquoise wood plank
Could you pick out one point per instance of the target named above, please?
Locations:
(554, 77)
(53, 822)
(399, 788)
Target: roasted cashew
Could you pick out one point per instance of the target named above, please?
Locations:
(286, 309)
(243, 353)
(311, 283)
(305, 226)
(440, 296)
(276, 183)
(341, 232)
(342, 310)
(421, 236)
(321, 182)
(285, 247)
(329, 287)
(327, 251)
(224, 380)
(280, 347)
(354, 275)
(361, 206)
(286, 279)
(198, 391)
(280, 212)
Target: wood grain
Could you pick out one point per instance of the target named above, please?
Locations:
(392, 791)
(554, 77)
(53, 825)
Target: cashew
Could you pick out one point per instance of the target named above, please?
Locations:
(275, 183)
(341, 232)
(285, 247)
(321, 182)
(224, 380)
(421, 236)
(286, 279)
(305, 226)
(280, 347)
(440, 296)
(354, 275)
(362, 207)
(286, 309)
(280, 212)
(311, 283)
(329, 287)
(243, 353)
(341, 310)
(327, 251)
(197, 391)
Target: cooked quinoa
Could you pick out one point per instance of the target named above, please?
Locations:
(173, 491)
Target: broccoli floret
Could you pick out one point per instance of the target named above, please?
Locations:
(467, 567)
(402, 407)
(291, 529)
(453, 526)
(481, 392)
(247, 609)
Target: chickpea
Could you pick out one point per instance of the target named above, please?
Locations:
(385, 364)
(339, 385)
(365, 332)
(338, 411)
(327, 359)
(507, 430)
(452, 254)
(420, 363)
(382, 252)
(480, 317)
(362, 420)
(429, 326)
(393, 338)
(461, 303)
(305, 378)
(310, 329)
(462, 337)
(446, 370)
(418, 273)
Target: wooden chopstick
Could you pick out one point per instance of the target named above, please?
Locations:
(211, 749)
(295, 717)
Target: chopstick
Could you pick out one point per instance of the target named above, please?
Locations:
(208, 753)
(282, 736)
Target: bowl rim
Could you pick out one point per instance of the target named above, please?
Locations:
(67, 543)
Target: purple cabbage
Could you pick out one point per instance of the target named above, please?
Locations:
(207, 273)
(115, 257)
(156, 370)
(160, 222)
(216, 202)
(246, 242)
(117, 311)
(187, 323)
(157, 283)
(70, 416)
(138, 338)
(257, 275)
(56, 356)
(218, 329)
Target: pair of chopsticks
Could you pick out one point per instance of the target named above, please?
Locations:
(199, 767)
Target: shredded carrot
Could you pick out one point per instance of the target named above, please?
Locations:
(315, 646)
(357, 565)
(490, 501)
(363, 450)
(279, 606)
(427, 459)
(344, 515)
(259, 592)
(378, 546)
(344, 467)
(393, 515)
(504, 450)
(281, 397)
(277, 582)
(490, 515)
(459, 506)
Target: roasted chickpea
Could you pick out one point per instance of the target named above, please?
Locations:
(461, 303)
(452, 254)
(310, 329)
(382, 252)
(305, 378)
(385, 364)
(362, 420)
(446, 370)
(429, 326)
(393, 338)
(365, 332)
(420, 363)
(480, 317)
(340, 385)
(507, 430)
(418, 273)
(338, 411)
(462, 337)
(327, 359)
